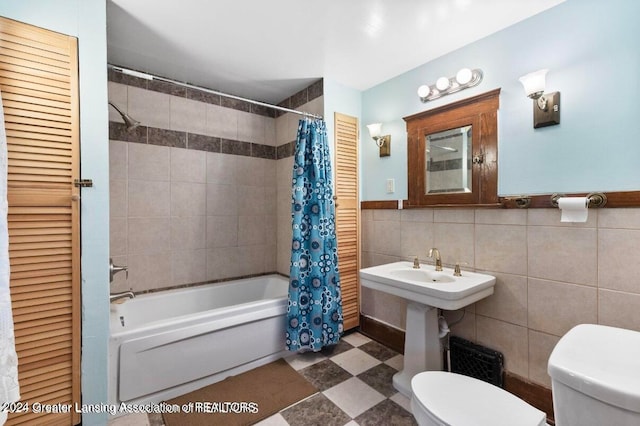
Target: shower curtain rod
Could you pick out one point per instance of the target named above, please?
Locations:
(146, 76)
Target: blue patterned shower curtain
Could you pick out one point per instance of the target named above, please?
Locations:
(314, 312)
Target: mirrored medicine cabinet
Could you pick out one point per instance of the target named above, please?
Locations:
(453, 153)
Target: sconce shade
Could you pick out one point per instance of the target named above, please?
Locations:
(534, 83)
(375, 130)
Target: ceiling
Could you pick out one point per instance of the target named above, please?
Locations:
(268, 50)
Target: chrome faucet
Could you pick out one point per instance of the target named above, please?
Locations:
(121, 297)
(435, 254)
(114, 269)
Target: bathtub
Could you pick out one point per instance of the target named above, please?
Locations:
(169, 343)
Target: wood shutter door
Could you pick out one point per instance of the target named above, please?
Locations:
(348, 216)
(39, 87)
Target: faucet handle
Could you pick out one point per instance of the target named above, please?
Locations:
(416, 262)
(456, 269)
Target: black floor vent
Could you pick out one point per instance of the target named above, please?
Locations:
(476, 361)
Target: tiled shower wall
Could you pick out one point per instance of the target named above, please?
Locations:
(194, 189)
(550, 275)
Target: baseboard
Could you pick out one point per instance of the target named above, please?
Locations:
(534, 394)
(383, 333)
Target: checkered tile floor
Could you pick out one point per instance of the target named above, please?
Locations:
(354, 383)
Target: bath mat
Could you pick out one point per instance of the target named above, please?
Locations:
(243, 399)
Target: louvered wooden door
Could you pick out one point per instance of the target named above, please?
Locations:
(39, 88)
(348, 215)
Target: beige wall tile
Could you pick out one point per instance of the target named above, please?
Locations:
(251, 230)
(453, 215)
(188, 233)
(387, 237)
(416, 238)
(189, 266)
(556, 307)
(384, 306)
(148, 198)
(188, 115)
(251, 171)
(149, 235)
(501, 248)
(619, 309)
(147, 272)
(282, 131)
(618, 266)
(251, 260)
(223, 263)
(551, 217)
(118, 160)
(315, 106)
(540, 347)
(221, 168)
(188, 199)
(508, 301)
(462, 324)
(118, 236)
(251, 200)
(118, 198)
(270, 131)
(619, 218)
(416, 215)
(501, 217)
(251, 127)
(222, 231)
(387, 215)
(148, 162)
(222, 122)
(512, 340)
(149, 108)
(381, 259)
(188, 165)
(455, 242)
(563, 254)
(270, 173)
(366, 234)
(222, 200)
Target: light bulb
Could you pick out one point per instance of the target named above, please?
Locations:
(423, 91)
(442, 83)
(464, 76)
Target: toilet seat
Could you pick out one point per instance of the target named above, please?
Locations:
(444, 398)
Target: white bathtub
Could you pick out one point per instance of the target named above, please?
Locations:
(166, 344)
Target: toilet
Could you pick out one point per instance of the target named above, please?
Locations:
(595, 378)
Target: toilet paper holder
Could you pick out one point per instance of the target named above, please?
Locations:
(596, 199)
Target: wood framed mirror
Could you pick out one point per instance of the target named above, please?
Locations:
(453, 153)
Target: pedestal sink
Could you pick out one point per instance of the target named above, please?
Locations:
(426, 290)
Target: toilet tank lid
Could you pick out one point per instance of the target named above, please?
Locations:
(600, 361)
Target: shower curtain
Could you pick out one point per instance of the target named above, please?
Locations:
(314, 312)
(9, 390)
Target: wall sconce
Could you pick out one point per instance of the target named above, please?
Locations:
(464, 79)
(383, 142)
(546, 106)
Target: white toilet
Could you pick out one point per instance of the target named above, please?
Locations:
(595, 377)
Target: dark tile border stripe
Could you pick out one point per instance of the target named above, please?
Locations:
(176, 139)
(305, 95)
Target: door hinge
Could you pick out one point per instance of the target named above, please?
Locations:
(83, 183)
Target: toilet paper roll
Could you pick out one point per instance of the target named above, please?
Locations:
(574, 209)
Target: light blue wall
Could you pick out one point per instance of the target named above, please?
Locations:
(591, 50)
(86, 20)
(339, 98)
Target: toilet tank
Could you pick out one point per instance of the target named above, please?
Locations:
(595, 376)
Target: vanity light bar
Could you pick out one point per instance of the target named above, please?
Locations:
(464, 79)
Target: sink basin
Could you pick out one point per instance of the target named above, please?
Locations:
(426, 290)
(421, 275)
(424, 285)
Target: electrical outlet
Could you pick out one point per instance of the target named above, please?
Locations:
(391, 186)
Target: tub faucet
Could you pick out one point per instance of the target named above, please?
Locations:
(435, 254)
(121, 297)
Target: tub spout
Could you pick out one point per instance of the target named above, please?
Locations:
(121, 297)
